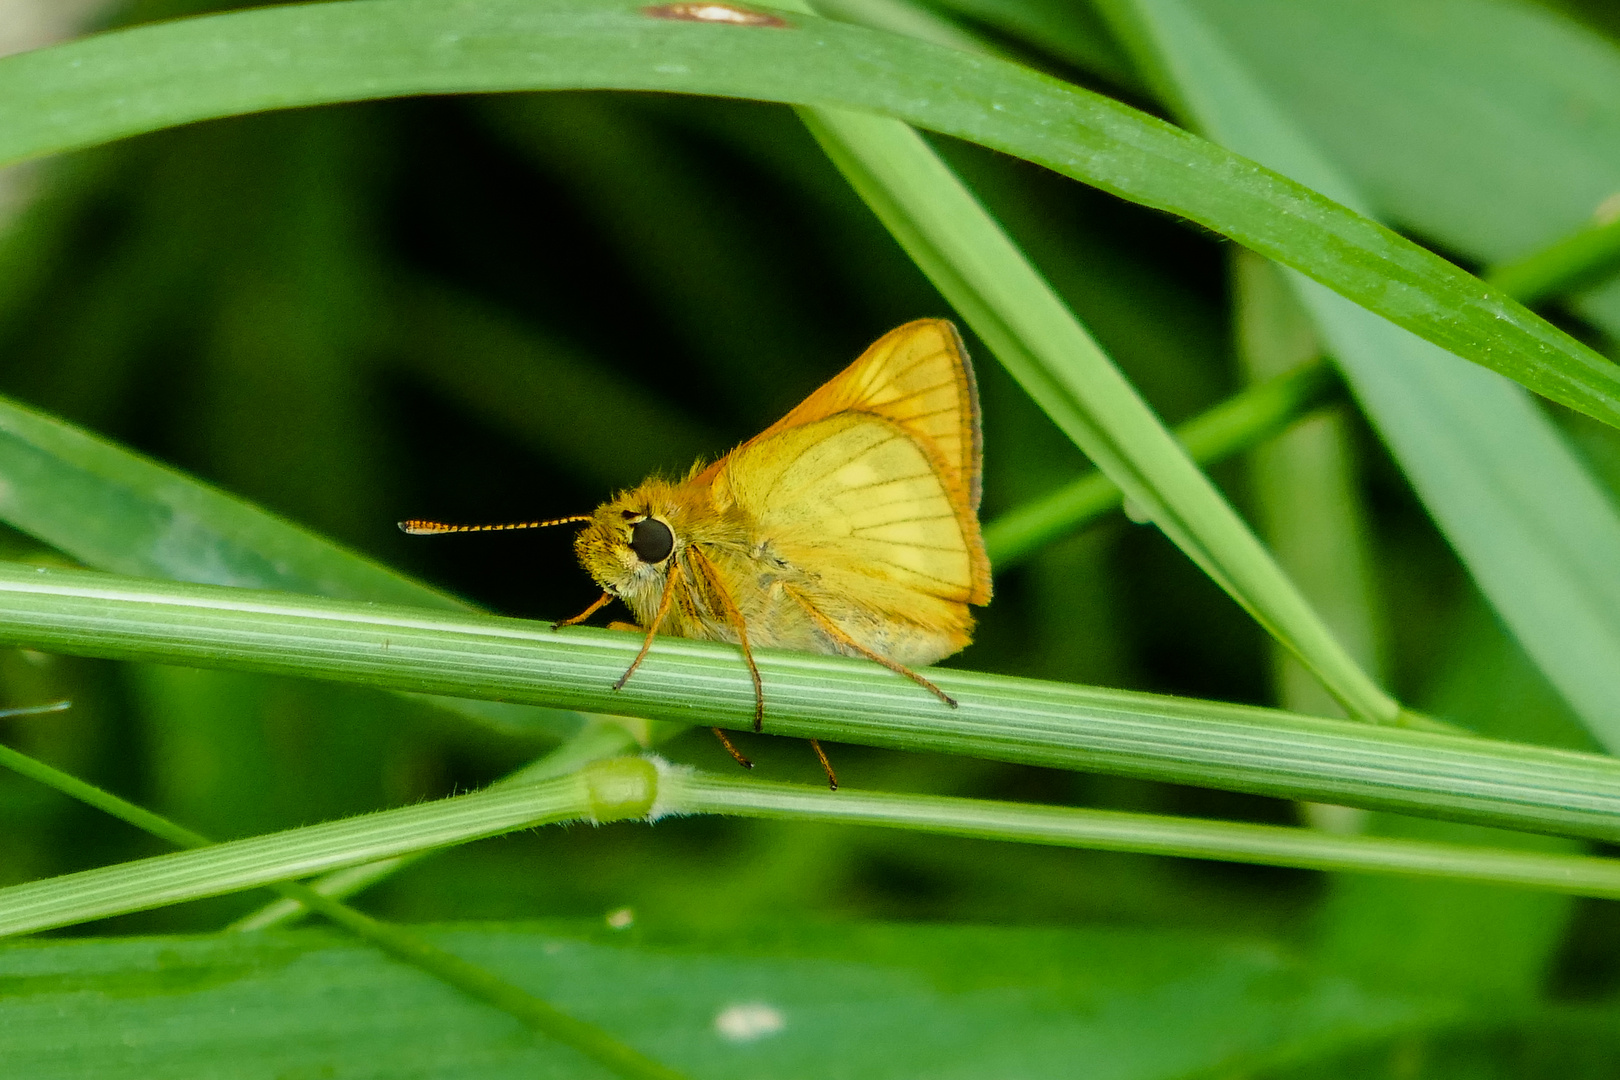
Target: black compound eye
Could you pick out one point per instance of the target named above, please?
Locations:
(651, 540)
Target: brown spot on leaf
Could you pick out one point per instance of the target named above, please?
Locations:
(713, 13)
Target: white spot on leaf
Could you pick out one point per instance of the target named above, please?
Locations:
(745, 1023)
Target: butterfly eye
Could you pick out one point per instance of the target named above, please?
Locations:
(651, 540)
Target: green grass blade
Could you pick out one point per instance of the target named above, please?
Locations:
(118, 511)
(1462, 127)
(1535, 530)
(120, 84)
(264, 860)
(625, 788)
(1580, 259)
(701, 683)
(602, 737)
(1110, 830)
(1240, 423)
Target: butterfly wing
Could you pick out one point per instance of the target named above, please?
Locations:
(901, 490)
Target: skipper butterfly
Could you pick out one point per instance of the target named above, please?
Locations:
(850, 526)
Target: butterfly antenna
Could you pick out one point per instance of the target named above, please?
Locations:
(417, 527)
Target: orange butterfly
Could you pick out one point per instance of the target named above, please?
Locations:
(849, 526)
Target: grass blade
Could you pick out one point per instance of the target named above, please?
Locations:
(701, 683)
(264, 860)
(119, 511)
(602, 737)
(1307, 497)
(1109, 830)
(628, 788)
(1156, 1003)
(1578, 260)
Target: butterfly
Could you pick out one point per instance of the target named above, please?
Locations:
(850, 526)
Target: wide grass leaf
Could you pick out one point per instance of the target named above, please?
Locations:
(848, 1002)
(119, 511)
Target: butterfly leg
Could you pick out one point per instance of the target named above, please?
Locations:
(602, 602)
(657, 621)
(836, 632)
(735, 617)
(826, 766)
(732, 750)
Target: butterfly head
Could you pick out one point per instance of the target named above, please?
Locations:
(627, 545)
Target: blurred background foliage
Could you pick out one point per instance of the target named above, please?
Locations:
(504, 308)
